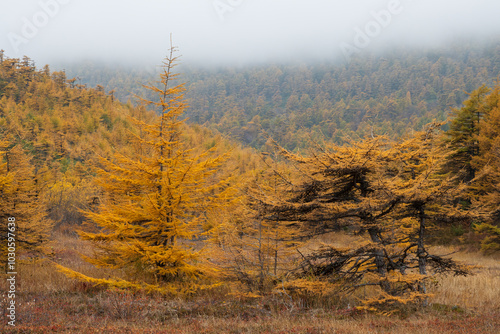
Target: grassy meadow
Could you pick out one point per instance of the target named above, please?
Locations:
(48, 302)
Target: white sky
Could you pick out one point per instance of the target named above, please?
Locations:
(232, 31)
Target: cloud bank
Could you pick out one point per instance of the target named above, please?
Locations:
(234, 31)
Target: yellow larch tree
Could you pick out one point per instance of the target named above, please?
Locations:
(159, 204)
(485, 188)
(387, 194)
(258, 252)
(416, 175)
(20, 202)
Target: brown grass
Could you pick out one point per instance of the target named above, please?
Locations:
(479, 292)
(50, 302)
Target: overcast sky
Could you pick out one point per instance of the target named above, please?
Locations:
(233, 31)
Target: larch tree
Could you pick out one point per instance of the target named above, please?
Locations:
(487, 161)
(384, 193)
(258, 252)
(158, 204)
(485, 188)
(20, 201)
(462, 136)
(474, 139)
(338, 188)
(427, 200)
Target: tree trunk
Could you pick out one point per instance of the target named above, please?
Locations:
(261, 260)
(421, 254)
(379, 259)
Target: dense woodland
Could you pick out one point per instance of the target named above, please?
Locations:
(173, 207)
(384, 94)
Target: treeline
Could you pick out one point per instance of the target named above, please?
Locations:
(59, 128)
(378, 94)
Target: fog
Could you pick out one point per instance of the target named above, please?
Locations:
(234, 31)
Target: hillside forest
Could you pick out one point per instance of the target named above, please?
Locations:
(327, 186)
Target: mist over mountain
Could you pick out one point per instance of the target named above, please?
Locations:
(392, 92)
(235, 31)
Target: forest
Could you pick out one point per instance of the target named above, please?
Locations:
(380, 94)
(280, 198)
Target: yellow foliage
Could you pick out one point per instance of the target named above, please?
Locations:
(19, 201)
(312, 287)
(159, 203)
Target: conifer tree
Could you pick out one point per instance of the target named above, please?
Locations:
(474, 137)
(386, 193)
(19, 200)
(337, 188)
(158, 203)
(256, 251)
(464, 131)
(485, 188)
(427, 196)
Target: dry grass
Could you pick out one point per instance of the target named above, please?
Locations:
(479, 292)
(66, 250)
(50, 302)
